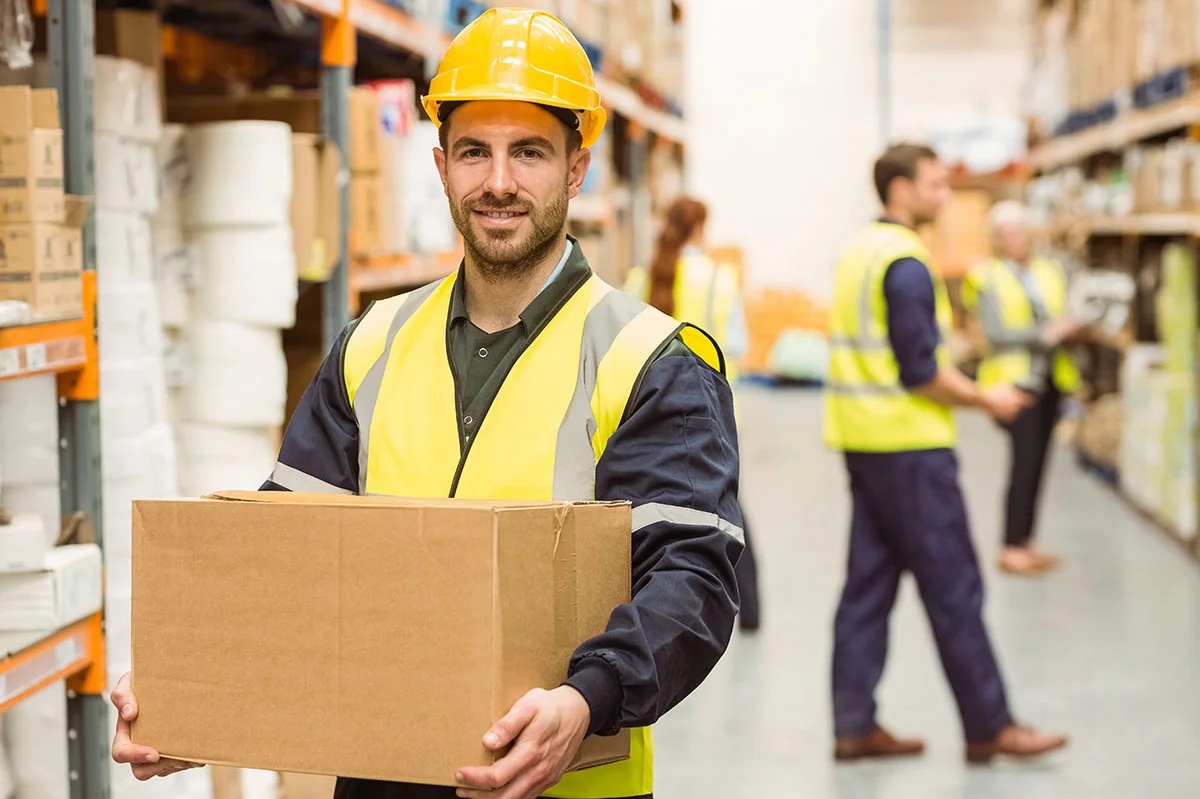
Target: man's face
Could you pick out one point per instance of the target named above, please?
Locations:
(509, 177)
(928, 191)
(1012, 241)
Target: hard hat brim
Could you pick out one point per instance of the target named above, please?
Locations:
(591, 121)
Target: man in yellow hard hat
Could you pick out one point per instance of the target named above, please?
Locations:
(524, 376)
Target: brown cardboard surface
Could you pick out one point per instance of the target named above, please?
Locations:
(300, 110)
(132, 34)
(306, 163)
(366, 128)
(31, 156)
(305, 786)
(406, 626)
(329, 206)
(366, 215)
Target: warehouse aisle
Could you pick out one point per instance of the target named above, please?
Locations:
(1108, 650)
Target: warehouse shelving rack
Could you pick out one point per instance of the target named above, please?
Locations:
(68, 348)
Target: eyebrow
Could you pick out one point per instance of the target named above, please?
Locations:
(467, 143)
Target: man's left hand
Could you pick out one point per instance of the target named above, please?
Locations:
(545, 729)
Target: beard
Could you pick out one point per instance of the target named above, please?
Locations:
(506, 254)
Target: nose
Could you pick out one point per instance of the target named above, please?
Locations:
(500, 181)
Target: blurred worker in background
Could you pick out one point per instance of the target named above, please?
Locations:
(1020, 301)
(524, 376)
(889, 406)
(685, 282)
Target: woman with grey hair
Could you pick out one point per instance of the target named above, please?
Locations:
(1020, 301)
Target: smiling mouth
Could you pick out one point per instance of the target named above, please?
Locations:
(500, 214)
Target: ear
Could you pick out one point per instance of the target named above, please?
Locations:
(580, 162)
(439, 158)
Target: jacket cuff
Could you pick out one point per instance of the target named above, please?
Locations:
(601, 689)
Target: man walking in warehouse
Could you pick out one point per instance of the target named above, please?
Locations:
(524, 376)
(889, 407)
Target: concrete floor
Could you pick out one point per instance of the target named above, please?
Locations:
(1107, 650)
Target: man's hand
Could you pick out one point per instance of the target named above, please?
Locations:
(1004, 403)
(146, 763)
(545, 729)
(1060, 330)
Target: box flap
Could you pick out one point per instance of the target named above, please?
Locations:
(295, 498)
(45, 109)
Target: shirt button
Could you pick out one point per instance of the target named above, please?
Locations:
(468, 421)
(483, 352)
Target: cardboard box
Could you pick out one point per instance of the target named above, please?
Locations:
(66, 590)
(407, 627)
(366, 128)
(305, 786)
(306, 166)
(332, 180)
(31, 156)
(41, 263)
(299, 110)
(23, 544)
(366, 215)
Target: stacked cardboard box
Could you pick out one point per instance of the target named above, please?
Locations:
(366, 166)
(771, 312)
(41, 252)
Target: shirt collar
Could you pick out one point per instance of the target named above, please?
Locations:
(572, 270)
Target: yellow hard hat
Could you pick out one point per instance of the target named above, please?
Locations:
(523, 55)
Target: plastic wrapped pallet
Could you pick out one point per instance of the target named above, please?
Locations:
(124, 248)
(36, 734)
(129, 322)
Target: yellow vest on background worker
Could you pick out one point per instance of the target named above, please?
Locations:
(1015, 366)
(705, 294)
(396, 360)
(867, 408)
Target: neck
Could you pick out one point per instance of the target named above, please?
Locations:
(901, 215)
(495, 301)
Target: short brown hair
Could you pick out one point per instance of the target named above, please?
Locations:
(899, 161)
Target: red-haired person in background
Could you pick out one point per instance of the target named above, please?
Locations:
(686, 283)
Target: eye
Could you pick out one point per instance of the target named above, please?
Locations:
(474, 152)
(529, 154)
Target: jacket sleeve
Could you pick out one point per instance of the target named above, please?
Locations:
(319, 453)
(675, 458)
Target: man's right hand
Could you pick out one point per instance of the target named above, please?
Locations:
(1004, 403)
(146, 762)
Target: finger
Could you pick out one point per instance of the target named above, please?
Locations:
(500, 773)
(506, 730)
(527, 787)
(123, 699)
(124, 750)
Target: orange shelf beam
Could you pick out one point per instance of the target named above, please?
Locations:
(74, 653)
(43, 348)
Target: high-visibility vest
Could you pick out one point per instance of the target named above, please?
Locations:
(705, 293)
(1014, 365)
(579, 373)
(867, 408)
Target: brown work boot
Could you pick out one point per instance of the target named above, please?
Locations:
(878, 743)
(1015, 740)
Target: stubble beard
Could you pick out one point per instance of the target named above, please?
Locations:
(500, 255)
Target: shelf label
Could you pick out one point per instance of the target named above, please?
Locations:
(69, 651)
(35, 357)
(10, 362)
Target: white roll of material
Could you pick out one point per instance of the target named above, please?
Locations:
(174, 176)
(124, 249)
(133, 397)
(36, 733)
(241, 174)
(175, 274)
(223, 459)
(129, 322)
(29, 430)
(237, 375)
(247, 275)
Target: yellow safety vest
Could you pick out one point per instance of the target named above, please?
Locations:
(579, 372)
(867, 408)
(705, 292)
(1013, 366)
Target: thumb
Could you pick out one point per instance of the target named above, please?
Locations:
(506, 730)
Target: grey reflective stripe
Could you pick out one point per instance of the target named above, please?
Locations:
(865, 390)
(654, 512)
(367, 395)
(301, 482)
(862, 343)
(574, 458)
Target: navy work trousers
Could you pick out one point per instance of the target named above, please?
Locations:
(909, 515)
